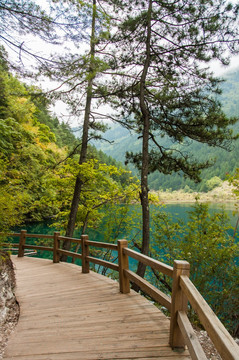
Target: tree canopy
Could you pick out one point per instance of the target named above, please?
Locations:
(160, 82)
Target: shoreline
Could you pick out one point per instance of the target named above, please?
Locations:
(219, 195)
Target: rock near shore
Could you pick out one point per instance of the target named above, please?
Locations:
(9, 309)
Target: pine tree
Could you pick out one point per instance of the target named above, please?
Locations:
(79, 73)
(163, 86)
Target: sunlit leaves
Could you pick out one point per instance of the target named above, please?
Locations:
(27, 152)
(99, 189)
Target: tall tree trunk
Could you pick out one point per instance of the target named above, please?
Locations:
(84, 145)
(145, 152)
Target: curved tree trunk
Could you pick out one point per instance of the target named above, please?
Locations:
(84, 145)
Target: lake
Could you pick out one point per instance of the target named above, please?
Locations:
(176, 210)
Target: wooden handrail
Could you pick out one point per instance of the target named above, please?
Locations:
(181, 331)
(194, 346)
(13, 234)
(102, 245)
(71, 239)
(15, 245)
(38, 247)
(224, 343)
(39, 236)
(154, 264)
(105, 263)
(69, 253)
(149, 289)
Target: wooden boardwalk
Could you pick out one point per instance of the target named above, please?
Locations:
(65, 314)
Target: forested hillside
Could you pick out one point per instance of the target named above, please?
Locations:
(224, 162)
(39, 158)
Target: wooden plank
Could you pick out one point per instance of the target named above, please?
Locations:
(151, 290)
(151, 317)
(71, 239)
(194, 346)
(105, 329)
(66, 314)
(102, 245)
(12, 234)
(66, 344)
(157, 265)
(105, 263)
(37, 247)
(70, 253)
(15, 245)
(132, 308)
(224, 343)
(40, 236)
(156, 353)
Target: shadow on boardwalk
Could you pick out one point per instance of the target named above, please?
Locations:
(65, 314)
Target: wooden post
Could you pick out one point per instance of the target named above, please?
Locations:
(85, 253)
(123, 265)
(22, 243)
(56, 256)
(179, 303)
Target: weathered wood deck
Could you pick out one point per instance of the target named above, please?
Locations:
(65, 314)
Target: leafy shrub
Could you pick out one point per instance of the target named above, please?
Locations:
(212, 253)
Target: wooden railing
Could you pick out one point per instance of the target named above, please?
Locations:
(183, 290)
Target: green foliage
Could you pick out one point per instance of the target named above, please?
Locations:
(62, 131)
(27, 152)
(101, 188)
(33, 150)
(117, 220)
(213, 182)
(12, 203)
(212, 253)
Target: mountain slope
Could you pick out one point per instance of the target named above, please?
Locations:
(225, 162)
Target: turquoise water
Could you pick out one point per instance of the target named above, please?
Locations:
(178, 211)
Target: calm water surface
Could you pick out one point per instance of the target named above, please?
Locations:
(176, 210)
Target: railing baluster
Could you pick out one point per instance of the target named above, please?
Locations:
(22, 243)
(85, 253)
(56, 256)
(123, 265)
(179, 303)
